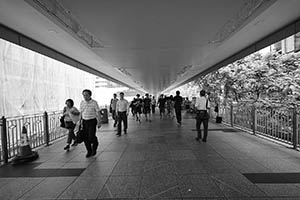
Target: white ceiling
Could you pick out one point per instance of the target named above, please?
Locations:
(151, 45)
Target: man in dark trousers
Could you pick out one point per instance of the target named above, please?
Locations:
(90, 115)
(113, 104)
(122, 109)
(177, 105)
(202, 107)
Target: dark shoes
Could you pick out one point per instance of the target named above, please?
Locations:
(198, 139)
(89, 154)
(119, 134)
(67, 147)
(94, 149)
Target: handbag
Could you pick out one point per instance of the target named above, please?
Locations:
(69, 125)
(79, 135)
(218, 119)
(62, 122)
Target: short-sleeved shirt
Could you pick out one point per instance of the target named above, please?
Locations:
(153, 102)
(89, 109)
(122, 105)
(113, 103)
(202, 103)
(147, 102)
(161, 102)
(138, 103)
(178, 101)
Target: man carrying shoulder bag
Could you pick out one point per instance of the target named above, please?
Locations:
(202, 107)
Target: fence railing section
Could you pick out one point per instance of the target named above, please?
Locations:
(41, 129)
(278, 124)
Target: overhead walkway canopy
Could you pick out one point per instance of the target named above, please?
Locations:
(152, 46)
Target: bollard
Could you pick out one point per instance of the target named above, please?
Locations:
(46, 129)
(4, 139)
(25, 153)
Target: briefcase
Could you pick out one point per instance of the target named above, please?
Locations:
(218, 119)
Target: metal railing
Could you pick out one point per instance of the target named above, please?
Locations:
(42, 128)
(279, 124)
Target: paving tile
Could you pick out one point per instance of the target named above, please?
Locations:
(247, 165)
(72, 165)
(50, 165)
(49, 188)
(158, 155)
(109, 156)
(201, 186)
(158, 147)
(158, 167)
(160, 187)
(128, 168)
(96, 169)
(115, 147)
(236, 185)
(218, 166)
(121, 187)
(137, 156)
(14, 188)
(182, 155)
(81, 158)
(189, 167)
(137, 148)
(157, 140)
(84, 187)
(280, 190)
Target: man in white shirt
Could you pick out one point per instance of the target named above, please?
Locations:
(202, 107)
(90, 115)
(122, 110)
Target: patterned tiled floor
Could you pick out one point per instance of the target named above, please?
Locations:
(160, 160)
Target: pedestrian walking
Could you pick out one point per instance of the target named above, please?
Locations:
(68, 110)
(147, 107)
(90, 116)
(178, 105)
(153, 104)
(202, 107)
(122, 113)
(113, 104)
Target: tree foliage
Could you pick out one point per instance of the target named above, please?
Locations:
(267, 80)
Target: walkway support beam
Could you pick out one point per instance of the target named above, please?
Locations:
(295, 128)
(4, 139)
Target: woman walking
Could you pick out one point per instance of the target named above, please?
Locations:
(68, 112)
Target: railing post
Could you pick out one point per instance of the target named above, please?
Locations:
(4, 140)
(295, 128)
(46, 128)
(231, 114)
(254, 118)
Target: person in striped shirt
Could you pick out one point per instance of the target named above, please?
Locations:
(90, 116)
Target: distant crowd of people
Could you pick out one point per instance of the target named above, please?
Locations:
(87, 119)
